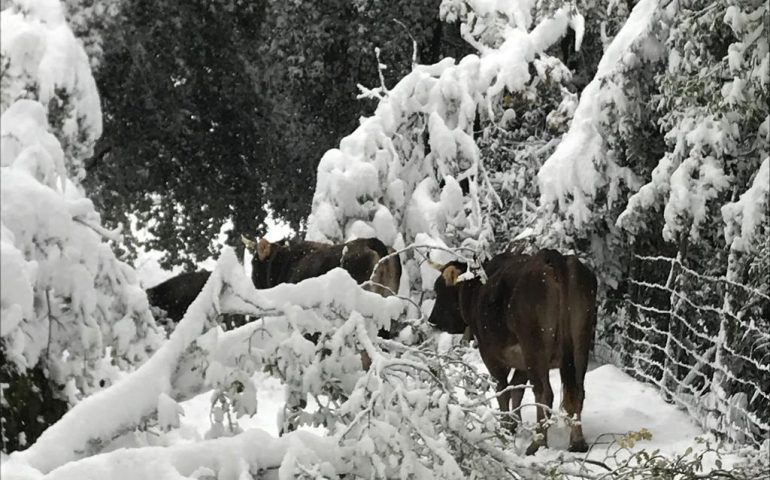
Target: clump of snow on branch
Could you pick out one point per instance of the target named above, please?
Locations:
(71, 303)
(744, 216)
(42, 60)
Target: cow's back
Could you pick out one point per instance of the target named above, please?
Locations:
(299, 260)
(538, 304)
(518, 303)
(312, 259)
(176, 294)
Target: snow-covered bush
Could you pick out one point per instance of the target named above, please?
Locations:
(648, 160)
(414, 168)
(454, 156)
(68, 304)
(713, 97)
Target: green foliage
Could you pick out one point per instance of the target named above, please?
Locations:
(30, 403)
(185, 129)
(215, 110)
(699, 461)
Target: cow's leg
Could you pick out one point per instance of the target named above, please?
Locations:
(574, 392)
(572, 400)
(538, 375)
(500, 373)
(519, 380)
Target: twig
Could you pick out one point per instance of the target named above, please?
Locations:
(414, 43)
(113, 235)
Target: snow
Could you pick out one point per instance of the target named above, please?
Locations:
(743, 217)
(16, 284)
(615, 403)
(203, 406)
(231, 457)
(572, 175)
(45, 56)
(53, 242)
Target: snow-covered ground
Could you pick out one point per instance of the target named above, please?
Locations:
(615, 404)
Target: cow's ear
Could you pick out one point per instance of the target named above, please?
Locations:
(249, 243)
(263, 248)
(451, 274)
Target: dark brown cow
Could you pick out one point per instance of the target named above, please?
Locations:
(294, 261)
(297, 260)
(533, 313)
(176, 294)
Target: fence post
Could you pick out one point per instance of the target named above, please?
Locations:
(668, 378)
(718, 388)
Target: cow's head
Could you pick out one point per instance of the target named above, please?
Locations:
(261, 249)
(446, 314)
(262, 264)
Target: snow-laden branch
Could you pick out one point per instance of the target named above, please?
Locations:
(95, 420)
(189, 362)
(743, 217)
(580, 167)
(233, 457)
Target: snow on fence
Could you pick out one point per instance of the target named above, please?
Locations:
(704, 341)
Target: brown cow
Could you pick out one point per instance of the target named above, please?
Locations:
(292, 262)
(533, 313)
(176, 294)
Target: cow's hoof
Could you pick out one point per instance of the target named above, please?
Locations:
(533, 447)
(578, 446)
(510, 425)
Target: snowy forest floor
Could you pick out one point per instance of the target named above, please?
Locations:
(615, 405)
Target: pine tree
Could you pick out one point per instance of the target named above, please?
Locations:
(72, 312)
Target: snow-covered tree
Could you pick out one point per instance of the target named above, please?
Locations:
(465, 155)
(713, 99)
(89, 21)
(69, 306)
(671, 128)
(413, 173)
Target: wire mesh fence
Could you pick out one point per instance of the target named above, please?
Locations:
(704, 341)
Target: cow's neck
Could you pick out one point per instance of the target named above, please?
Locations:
(469, 291)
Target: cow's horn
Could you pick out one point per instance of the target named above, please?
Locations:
(250, 244)
(435, 265)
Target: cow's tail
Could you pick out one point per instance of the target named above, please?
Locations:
(567, 367)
